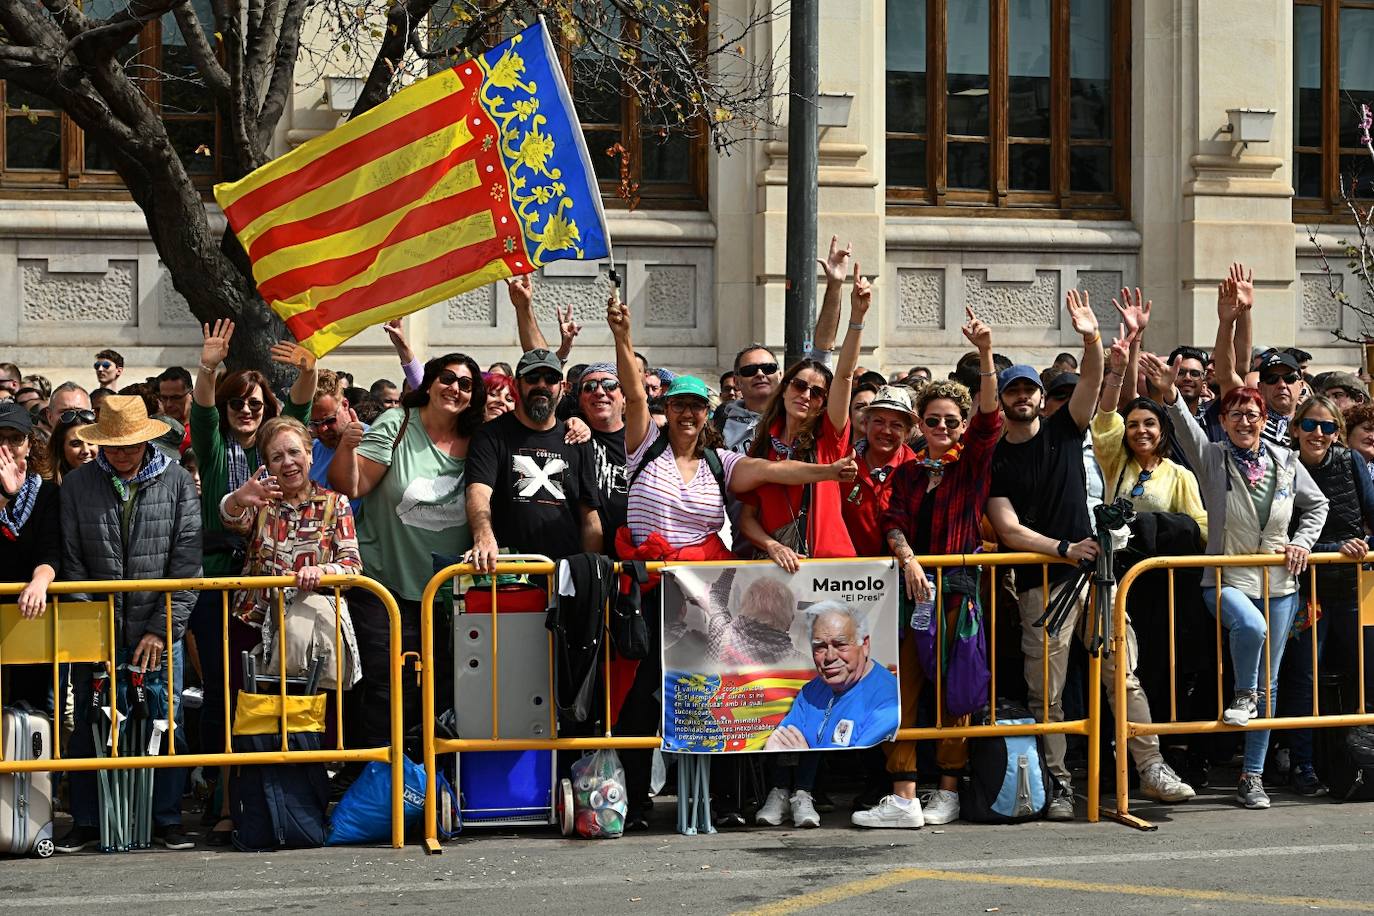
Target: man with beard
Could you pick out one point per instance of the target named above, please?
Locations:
(330, 414)
(528, 491)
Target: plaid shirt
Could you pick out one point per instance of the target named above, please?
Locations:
(287, 538)
(959, 499)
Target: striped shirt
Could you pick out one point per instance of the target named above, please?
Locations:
(683, 513)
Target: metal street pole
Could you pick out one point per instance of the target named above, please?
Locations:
(802, 159)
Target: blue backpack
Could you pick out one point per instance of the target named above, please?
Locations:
(1009, 781)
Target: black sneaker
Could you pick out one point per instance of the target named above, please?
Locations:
(77, 839)
(1305, 780)
(822, 801)
(171, 836)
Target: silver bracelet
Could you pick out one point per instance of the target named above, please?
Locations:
(859, 326)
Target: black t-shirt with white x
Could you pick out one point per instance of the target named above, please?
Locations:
(538, 484)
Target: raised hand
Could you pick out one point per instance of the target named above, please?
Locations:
(214, 349)
(1081, 313)
(293, 354)
(352, 433)
(860, 297)
(568, 328)
(836, 266)
(1163, 376)
(977, 333)
(618, 317)
(11, 474)
(258, 490)
(1244, 282)
(1135, 314)
(395, 332)
(1120, 351)
(521, 291)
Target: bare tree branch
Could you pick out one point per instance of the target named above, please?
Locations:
(262, 45)
(202, 55)
(283, 71)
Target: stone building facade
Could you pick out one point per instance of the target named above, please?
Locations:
(996, 154)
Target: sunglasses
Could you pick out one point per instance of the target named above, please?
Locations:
(75, 416)
(607, 385)
(1190, 373)
(103, 364)
(546, 377)
(1138, 490)
(1309, 425)
(1290, 378)
(754, 369)
(448, 377)
(949, 422)
(326, 423)
(252, 405)
(816, 391)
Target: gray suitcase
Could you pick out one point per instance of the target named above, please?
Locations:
(26, 798)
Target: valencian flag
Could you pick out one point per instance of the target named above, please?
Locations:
(467, 177)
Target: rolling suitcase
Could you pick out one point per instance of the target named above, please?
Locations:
(26, 798)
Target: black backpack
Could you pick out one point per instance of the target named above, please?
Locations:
(1344, 755)
(1009, 781)
(279, 805)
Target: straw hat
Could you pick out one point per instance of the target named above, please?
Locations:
(123, 421)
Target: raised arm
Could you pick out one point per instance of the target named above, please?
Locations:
(836, 268)
(350, 473)
(521, 292)
(410, 365)
(1233, 329)
(293, 354)
(1192, 438)
(1245, 301)
(637, 417)
(1135, 317)
(1118, 356)
(214, 349)
(750, 473)
(860, 298)
(980, 335)
(1083, 402)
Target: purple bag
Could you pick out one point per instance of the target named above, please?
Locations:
(965, 656)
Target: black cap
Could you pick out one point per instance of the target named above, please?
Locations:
(1064, 380)
(14, 416)
(1277, 359)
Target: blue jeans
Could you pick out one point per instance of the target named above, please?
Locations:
(1243, 616)
(169, 783)
(1298, 683)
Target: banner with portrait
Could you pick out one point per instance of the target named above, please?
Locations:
(759, 659)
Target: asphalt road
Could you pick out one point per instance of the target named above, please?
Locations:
(1206, 856)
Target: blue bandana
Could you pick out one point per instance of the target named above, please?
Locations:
(16, 512)
(608, 368)
(155, 465)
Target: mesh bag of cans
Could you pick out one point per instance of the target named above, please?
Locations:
(599, 795)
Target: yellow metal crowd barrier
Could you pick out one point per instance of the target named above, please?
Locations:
(1126, 729)
(542, 566)
(84, 631)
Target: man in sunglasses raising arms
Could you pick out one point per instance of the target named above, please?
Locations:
(757, 371)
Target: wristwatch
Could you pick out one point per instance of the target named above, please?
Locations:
(1064, 548)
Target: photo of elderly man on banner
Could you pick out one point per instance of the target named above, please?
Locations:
(755, 658)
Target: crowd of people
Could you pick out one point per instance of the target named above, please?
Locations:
(1236, 452)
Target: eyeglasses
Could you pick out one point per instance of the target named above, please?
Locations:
(1138, 490)
(172, 398)
(448, 377)
(950, 422)
(686, 405)
(1243, 416)
(607, 385)
(1310, 425)
(252, 405)
(545, 377)
(125, 449)
(1190, 373)
(816, 391)
(754, 369)
(102, 364)
(75, 416)
(326, 423)
(1290, 378)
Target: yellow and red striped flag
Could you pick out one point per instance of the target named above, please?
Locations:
(470, 176)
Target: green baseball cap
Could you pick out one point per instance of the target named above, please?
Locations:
(688, 384)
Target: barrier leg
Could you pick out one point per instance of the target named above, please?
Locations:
(398, 821)
(432, 846)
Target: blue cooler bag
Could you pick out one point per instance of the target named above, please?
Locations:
(363, 815)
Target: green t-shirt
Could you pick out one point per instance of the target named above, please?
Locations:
(419, 508)
(212, 457)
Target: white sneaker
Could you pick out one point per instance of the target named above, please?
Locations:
(891, 813)
(773, 810)
(1243, 708)
(942, 807)
(804, 810)
(1160, 782)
